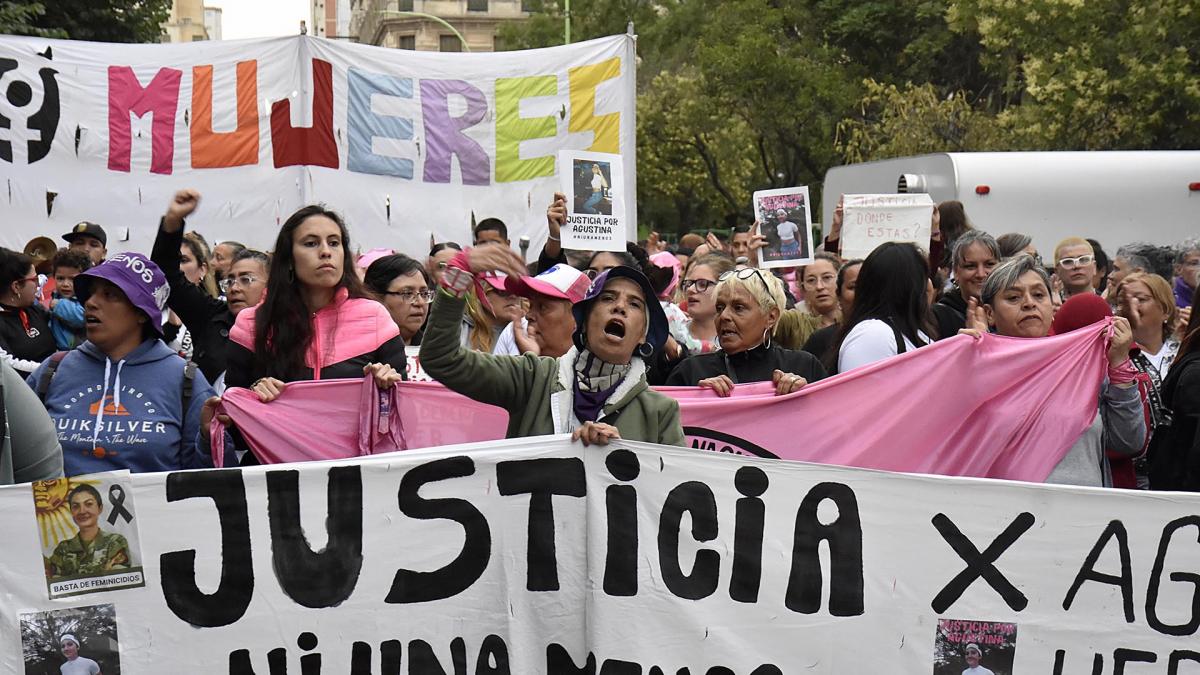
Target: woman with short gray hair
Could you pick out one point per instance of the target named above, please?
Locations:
(974, 256)
(1017, 303)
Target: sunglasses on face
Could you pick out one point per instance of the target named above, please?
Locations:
(243, 280)
(1072, 263)
(701, 285)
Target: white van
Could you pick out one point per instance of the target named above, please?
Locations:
(1114, 197)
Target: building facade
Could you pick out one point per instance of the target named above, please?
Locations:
(186, 22)
(399, 23)
(212, 22)
(330, 18)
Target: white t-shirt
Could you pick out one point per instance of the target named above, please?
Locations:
(1163, 359)
(978, 670)
(787, 230)
(597, 182)
(870, 341)
(506, 344)
(80, 666)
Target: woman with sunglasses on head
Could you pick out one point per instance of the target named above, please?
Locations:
(207, 318)
(403, 286)
(747, 308)
(891, 312)
(25, 335)
(699, 332)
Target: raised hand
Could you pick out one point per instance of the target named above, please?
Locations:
(182, 204)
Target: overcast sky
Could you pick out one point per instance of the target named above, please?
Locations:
(260, 18)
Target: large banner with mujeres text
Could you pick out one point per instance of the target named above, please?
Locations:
(541, 557)
(406, 145)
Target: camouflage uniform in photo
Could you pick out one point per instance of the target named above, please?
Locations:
(74, 557)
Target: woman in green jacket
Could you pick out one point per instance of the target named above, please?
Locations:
(597, 390)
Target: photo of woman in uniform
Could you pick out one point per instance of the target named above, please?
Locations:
(92, 551)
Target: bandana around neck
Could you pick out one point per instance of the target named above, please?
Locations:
(595, 381)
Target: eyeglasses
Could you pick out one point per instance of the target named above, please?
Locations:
(746, 273)
(243, 280)
(27, 280)
(824, 279)
(1072, 263)
(701, 285)
(409, 295)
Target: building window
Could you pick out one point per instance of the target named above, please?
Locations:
(449, 43)
(198, 38)
(405, 6)
(528, 6)
(406, 42)
(477, 5)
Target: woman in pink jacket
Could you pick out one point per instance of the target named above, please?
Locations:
(316, 321)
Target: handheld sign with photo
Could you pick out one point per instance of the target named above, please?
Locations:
(592, 182)
(785, 219)
(871, 220)
(89, 533)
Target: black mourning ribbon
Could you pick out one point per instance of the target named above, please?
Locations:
(116, 498)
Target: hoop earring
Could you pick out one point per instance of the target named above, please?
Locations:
(646, 350)
(766, 341)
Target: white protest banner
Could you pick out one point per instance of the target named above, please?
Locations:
(871, 220)
(592, 184)
(397, 141)
(415, 372)
(536, 556)
(785, 218)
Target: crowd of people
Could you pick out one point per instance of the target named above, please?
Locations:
(118, 361)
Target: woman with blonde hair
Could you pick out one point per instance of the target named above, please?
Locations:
(1148, 302)
(749, 303)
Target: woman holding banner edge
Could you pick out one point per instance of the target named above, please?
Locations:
(597, 390)
(1017, 302)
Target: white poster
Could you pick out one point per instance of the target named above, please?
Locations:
(784, 217)
(540, 557)
(871, 220)
(395, 140)
(595, 201)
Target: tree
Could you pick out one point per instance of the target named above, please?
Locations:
(20, 18)
(1095, 75)
(95, 20)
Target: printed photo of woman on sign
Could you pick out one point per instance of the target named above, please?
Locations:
(75, 641)
(783, 219)
(970, 647)
(88, 534)
(593, 187)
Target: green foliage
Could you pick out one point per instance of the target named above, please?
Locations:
(95, 20)
(740, 95)
(20, 18)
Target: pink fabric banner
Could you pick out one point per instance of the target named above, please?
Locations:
(995, 407)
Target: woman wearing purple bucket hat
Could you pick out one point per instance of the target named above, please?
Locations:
(596, 391)
(123, 399)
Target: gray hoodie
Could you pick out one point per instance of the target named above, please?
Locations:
(1120, 426)
(30, 451)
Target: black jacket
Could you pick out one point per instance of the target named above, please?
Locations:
(26, 349)
(207, 318)
(950, 313)
(754, 365)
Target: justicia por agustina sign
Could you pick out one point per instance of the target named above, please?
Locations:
(539, 556)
